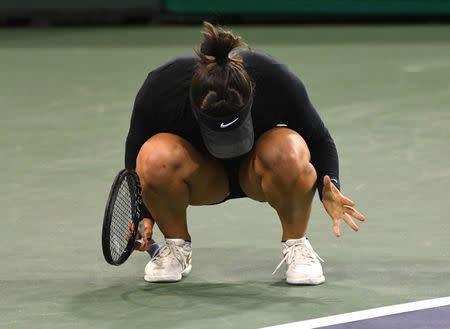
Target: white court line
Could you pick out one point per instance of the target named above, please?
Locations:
(363, 315)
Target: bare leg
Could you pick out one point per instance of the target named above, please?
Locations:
(174, 175)
(278, 170)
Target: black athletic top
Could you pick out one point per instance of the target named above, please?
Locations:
(162, 105)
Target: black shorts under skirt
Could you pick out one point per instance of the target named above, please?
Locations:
(232, 167)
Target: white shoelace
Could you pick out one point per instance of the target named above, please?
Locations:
(168, 249)
(290, 253)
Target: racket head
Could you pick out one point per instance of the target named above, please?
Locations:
(121, 218)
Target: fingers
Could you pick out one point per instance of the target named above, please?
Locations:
(137, 239)
(143, 244)
(146, 241)
(354, 213)
(140, 243)
(338, 206)
(346, 201)
(148, 226)
(147, 233)
(130, 230)
(347, 217)
(350, 222)
(336, 227)
(137, 244)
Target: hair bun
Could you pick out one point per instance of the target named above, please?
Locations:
(217, 44)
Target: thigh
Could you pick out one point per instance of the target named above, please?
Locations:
(168, 160)
(271, 150)
(249, 180)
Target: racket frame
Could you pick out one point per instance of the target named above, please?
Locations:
(134, 187)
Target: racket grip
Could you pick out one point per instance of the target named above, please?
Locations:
(153, 249)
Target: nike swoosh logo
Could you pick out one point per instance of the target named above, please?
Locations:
(224, 125)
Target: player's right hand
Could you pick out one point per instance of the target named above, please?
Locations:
(146, 239)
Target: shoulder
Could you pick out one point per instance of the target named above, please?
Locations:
(179, 67)
(262, 65)
(259, 59)
(270, 75)
(168, 79)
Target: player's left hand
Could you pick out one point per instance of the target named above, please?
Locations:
(338, 206)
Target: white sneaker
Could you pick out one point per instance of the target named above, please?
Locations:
(303, 263)
(170, 263)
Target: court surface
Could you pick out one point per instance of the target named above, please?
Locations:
(65, 102)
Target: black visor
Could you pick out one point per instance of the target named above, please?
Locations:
(229, 136)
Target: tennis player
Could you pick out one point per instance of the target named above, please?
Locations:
(231, 122)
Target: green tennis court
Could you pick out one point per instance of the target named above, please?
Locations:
(65, 103)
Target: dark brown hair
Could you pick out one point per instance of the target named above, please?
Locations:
(220, 84)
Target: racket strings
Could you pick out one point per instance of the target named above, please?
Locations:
(121, 219)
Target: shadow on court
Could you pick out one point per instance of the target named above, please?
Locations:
(233, 301)
(199, 303)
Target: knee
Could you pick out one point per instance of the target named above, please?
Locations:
(160, 159)
(286, 159)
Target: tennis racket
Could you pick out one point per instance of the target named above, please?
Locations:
(121, 220)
